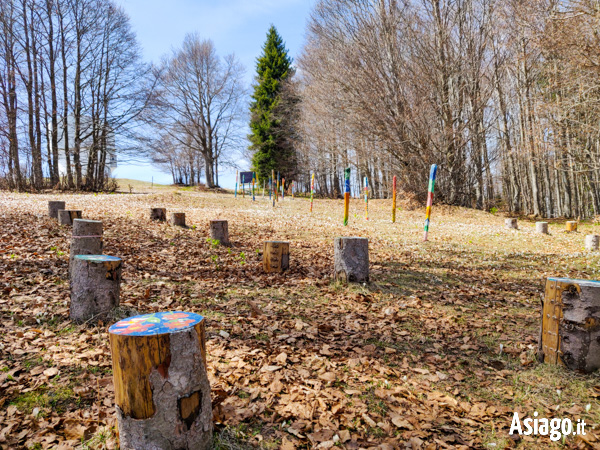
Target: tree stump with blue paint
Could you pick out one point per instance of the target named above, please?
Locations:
(86, 239)
(162, 392)
(351, 259)
(95, 287)
(54, 207)
(67, 216)
(570, 328)
(158, 214)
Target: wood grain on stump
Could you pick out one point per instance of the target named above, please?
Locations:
(511, 224)
(162, 392)
(54, 207)
(219, 230)
(592, 242)
(570, 328)
(276, 256)
(178, 219)
(541, 227)
(159, 214)
(95, 287)
(571, 226)
(86, 239)
(67, 216)
(351, 259)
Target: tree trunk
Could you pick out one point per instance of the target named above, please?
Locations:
(219, 230)
(511, 224)
(159, 214)
(351, 259)
(66, 216)
(86, 239)
(178, 219)
(541, 227)
(276, 256)
(53, 207)
(592, 242)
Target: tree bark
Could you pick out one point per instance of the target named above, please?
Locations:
(54, 207)
(159, 214)
(86, 239)
(351, 259)
(276, 256)
(66, 216)
(178, 219)
(219, 230)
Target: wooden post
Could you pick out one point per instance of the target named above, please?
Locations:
(178, 219)
(219, 230)
(67, 216)
(86, 239)
(162, 392)
(53, 207)
(571, 226)
(95, 287)
(351, 259)
(159, 214)
(511, 224)
(570, 328)
(541, 227)
(276, 256)
(592, 242)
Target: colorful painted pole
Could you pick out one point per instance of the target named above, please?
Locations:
(282, 188)
(312, 190)
(236, 183)
(277, 190)
(253, 184)
(432, 174)
(272, 183)
(263, 188)
(394, 200)
(292, 188)
(366, 198)
(346, 196)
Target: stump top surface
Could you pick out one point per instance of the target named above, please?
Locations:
(156, 323)
(98, 258)
(86, 220)
(277, 242)
(593, 283)
(353, 237)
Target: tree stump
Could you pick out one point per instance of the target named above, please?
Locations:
(95, 287)
(219, 230)
(178, 219)
(592, 242)
(571, 226)
(159, 214)
(162, 392)
(67, 216)
(511, 224)
(351, 259)
(276, 256)
(541, 227)
(86, 239)
(54, 207)
(570, 328)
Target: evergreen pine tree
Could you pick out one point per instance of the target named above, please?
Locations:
(267, 138)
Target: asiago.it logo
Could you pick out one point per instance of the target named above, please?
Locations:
(555, 428)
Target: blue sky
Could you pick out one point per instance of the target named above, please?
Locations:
(235, 26)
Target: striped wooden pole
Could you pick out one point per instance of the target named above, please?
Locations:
(366, 198)
(312, 190)
(346, 195)
(236, 183)
(277, 190)
(253, 185)
(394, 200)
(282, 188)
(432, 175)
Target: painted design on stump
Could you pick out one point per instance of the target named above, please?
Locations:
(157, 323)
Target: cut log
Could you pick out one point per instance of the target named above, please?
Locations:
(178, 219)
(511, 224)
(541, 227)
(54, 207)
(276, 256)
(67, 216)
(592, 242)
(159, 214)
(351, 259)
(95, 287)
(570, 328)
(86, 239)
(571, 226)
(219, 230)
(162, 392)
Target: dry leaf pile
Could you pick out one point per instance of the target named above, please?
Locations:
(437, 352)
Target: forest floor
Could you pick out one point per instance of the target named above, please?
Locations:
(438, 351)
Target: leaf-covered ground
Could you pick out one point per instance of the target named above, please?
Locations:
(436, 352)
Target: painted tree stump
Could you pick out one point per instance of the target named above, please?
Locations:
(178, 219)
(86, 239)
(351, 259)
(511, 224)
(219, 230)
(159, 214)
(571, 226)
(162, 392)
(95, 287)
(276, 256)
(541, 227)
(592, 242)
(54, 207)
(570, 328)
(67, 216)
